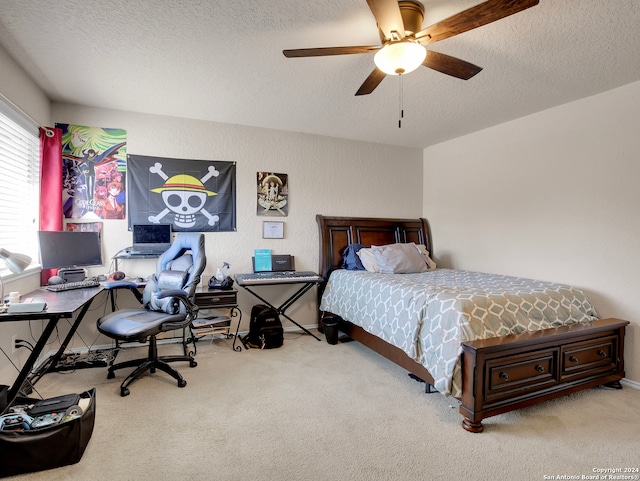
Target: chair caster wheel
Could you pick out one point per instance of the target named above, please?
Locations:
(124, 392)
(192, 363)
(182, 383)
(111, 375)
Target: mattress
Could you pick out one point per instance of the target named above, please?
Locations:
(429, 315)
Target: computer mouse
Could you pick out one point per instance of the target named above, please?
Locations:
(101, 278)
(140, 279)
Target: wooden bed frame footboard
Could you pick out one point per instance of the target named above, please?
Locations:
(500, 374)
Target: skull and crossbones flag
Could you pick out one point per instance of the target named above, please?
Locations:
(191, 195)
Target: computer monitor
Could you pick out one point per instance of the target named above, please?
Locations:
(63, 249)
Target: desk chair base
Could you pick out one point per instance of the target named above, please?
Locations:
(151, 363)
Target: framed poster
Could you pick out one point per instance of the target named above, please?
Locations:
(272, 230)
(273, 194)
(94, 167)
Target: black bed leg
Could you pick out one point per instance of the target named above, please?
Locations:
(428, 388)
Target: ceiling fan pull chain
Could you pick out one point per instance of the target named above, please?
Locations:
(401, 100)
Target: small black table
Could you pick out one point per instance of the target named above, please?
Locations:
(210, 298)
(64, 304)
(306, 278)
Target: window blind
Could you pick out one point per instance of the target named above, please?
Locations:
(19, 185)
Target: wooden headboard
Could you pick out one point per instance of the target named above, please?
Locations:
(336, 233)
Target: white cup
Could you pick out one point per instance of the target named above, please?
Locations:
(14, 297)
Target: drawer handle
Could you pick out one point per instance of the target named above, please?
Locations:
(539, 368)
(504, 376)
(574, 359)
(601, 353)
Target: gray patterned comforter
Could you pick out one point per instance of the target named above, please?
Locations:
(429, 315)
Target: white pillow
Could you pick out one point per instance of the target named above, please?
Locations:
(368, 259)
(425, 254)
(399, 259)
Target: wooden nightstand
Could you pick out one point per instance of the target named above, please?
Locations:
(224, 299)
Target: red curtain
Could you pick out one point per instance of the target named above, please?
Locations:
(50, 185)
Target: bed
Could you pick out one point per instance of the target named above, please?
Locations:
(496, 343)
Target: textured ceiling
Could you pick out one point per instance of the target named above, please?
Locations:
(221, 60)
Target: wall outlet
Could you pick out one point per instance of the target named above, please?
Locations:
(13, 343)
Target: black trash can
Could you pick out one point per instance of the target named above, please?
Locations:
(330, 326)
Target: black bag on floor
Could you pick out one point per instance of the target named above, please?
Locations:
(49, 446)
(265, 329)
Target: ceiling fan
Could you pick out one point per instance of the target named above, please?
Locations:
(403, 38)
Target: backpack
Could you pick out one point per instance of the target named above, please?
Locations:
(265, 329)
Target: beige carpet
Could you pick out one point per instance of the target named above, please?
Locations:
(313, 411)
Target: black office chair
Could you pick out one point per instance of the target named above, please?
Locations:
(168, 304)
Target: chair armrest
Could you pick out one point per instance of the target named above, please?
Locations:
(181, 295)
(171, 293)
(123, 284)
(119, 284)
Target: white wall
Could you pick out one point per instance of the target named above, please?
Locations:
(552, 196)
(326, 175)
(21, 90)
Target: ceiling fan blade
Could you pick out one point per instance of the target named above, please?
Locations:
(471, 18)
(373, 80)
(450, 65)
(388, 18)
(320, 52)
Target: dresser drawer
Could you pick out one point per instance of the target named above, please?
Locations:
(589, 357)
(522, 373)
(216, 298)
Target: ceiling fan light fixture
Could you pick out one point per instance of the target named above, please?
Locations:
(398, 58)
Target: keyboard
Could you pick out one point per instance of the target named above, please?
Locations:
(277, 278)
(73, 285)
